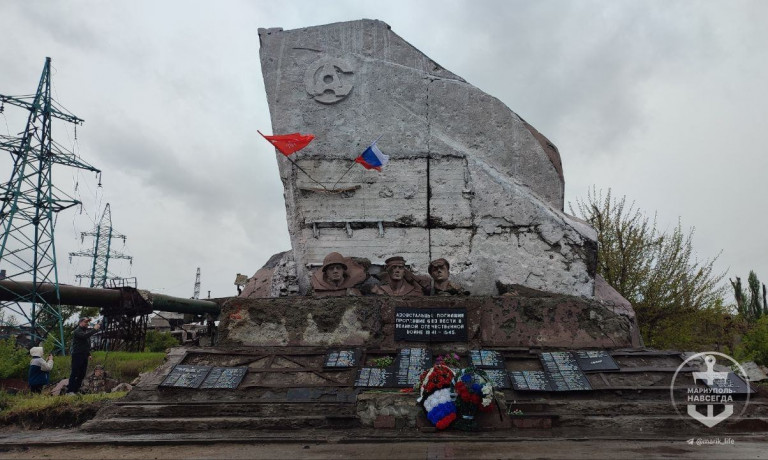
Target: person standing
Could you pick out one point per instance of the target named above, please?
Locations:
(81, 350)
(39, 370)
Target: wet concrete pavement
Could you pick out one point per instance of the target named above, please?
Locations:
(63, 444)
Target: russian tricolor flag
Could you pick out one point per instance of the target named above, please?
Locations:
(372, 158)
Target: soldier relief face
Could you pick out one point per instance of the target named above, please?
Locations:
(335, 273)
(439, 272)
(396, 271)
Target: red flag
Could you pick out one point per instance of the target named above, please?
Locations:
(289, 143)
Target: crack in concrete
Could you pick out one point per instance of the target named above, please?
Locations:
(429, 182)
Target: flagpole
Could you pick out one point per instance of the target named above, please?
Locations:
(353, 164)
(302, 170)
(342, 176)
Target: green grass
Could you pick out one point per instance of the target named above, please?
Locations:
(28, 403)
(120, 365)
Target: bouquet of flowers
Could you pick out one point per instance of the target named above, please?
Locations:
(474, 391)
(449, 359)
(435, 395)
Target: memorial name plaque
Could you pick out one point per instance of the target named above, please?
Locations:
(486, 359)
(498, 378)
(185, 376)
(375, 377)
(530, 381)
(563, 372)
(595, 360)
(734, 383)
(341, 358)
(431, 324)
(410, 363)
(224, 377)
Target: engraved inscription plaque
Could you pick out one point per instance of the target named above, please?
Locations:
(410, 363)
(185, 376)
(486, 359)
(224, 377)
(595, 360)
(530, 381)
(734, 384)
(341, 358)
(563, 372)
(431, 324)
(375, 377)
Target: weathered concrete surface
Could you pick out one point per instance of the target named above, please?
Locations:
(611, 298)
(401, 406)
(277, 278)
(468, 179)
(543, 321)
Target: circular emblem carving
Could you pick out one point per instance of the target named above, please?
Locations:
(329, 80)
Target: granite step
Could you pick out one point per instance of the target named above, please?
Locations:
(195, 424)
(227, 409)
(660, 424)
(583, 407)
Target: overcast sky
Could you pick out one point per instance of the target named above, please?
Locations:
(665, 102)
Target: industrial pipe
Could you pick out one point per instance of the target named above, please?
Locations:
(105, 298)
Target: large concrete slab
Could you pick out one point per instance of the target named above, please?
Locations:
(469, 180)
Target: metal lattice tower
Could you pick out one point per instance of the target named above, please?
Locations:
(197, 285)
(101, 252)
(29, 202)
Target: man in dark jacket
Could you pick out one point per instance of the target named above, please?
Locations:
(81, 350)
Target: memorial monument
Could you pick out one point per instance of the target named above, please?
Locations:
(374, 291)
(468, 180)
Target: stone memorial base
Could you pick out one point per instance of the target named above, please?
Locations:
(528, 319)
(296, 364)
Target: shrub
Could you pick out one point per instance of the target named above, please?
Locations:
(159, 341)
(14, 360)
(61, 367)
(120, 365)
(126, 366)
(754, 343)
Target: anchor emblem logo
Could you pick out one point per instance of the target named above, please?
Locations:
(710, 377)
(715, 395)
(328, 80)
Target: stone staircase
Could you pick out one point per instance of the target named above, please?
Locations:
(153, 416)
(628, 404)
(646, 416)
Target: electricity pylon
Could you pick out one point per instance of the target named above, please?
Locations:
(197, 285)
(29, 202)
(101, 252)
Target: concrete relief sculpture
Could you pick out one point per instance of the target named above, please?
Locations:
(440, 271)
(338, 276)
(398, 280)
(328, 80)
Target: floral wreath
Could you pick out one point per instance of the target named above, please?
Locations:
(474, 390)
(435, 395)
